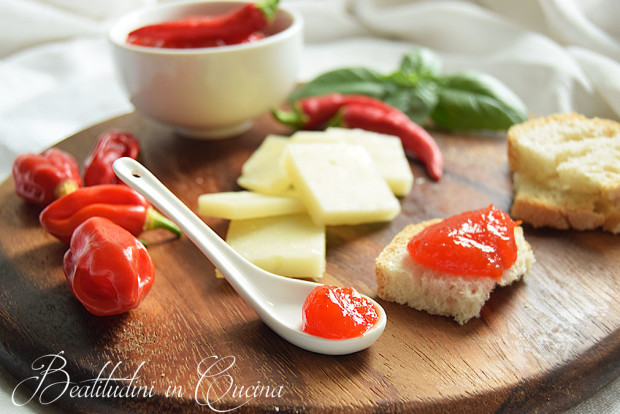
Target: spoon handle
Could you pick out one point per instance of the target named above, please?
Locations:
(233, 266)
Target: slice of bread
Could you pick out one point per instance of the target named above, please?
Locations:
(402, 280)
(566, 172)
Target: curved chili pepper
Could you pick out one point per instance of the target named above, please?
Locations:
(207, 31)
(110, 146)
(42, 178)
(118, 203)
(365, 112)
(108, 270)
(413, 137)
(315, 111)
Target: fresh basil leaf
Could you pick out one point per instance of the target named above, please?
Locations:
(476, 101)
(416, 101)
(360, 80)
(420, 62)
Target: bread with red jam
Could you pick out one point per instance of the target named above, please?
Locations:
(403, 280)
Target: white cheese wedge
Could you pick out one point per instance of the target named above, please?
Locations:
(262, 172)
(385, 150)
(237, 205)
(292, 245)
(316, 137)
(339, 184)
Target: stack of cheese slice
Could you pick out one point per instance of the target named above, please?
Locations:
(296, 186)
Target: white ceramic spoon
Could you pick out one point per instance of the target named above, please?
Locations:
(277, 300)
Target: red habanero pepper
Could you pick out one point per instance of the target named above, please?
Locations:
(108, 270)
(315, 111)
(413, 137)
(42, 178)
(207, 31)
(110, 146)
(118, 203)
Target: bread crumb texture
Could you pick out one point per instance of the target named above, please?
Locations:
(402, 280)
(566, 172)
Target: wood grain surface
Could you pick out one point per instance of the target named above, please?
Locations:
(543, 344)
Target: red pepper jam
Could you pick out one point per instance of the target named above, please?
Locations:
(337, 313)
(475, 243)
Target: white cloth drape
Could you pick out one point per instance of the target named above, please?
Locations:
(56, 77)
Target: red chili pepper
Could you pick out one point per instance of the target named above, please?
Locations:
(118, 203)
(364, 112)
(108, 270)
(110, 146)
(414, 137)
(42, 178)
(315, 111)
(207, 31)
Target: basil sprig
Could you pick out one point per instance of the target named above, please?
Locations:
(463, 101)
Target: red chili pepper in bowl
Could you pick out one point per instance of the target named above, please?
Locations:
(207, 31)
(110, 146)
(118, 203)
(364, 112)
(42, 178)
(108, 270)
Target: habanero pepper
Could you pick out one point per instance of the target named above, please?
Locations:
(110, 146)
(365, 112)
(234, 27)
(108, 270)
(118, 203)
(43, 178)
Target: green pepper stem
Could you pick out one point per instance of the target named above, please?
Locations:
(269, 8)
(291, 118)
(155, 220)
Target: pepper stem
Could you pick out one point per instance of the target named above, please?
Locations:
(155, 220)
(291, 118)
(65, 187)
(269, 9)
(337, 121)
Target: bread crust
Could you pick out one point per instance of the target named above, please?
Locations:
(391, 252)
(543, 195)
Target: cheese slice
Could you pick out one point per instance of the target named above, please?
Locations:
(236, 205)
(314, 137)
(339, 184)
(262, 172)
(386, 152)
(291, 245)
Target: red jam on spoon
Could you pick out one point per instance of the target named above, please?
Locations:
(474, 243)
(337, 313)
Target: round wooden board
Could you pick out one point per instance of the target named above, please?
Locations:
(542, 344)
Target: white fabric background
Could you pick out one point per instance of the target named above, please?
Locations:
(56, 77)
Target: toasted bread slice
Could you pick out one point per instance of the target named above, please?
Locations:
(566, 172)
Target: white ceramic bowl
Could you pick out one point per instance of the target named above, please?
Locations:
(207, 92)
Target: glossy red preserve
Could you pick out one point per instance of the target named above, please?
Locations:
(337, 313)
(475, 243)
